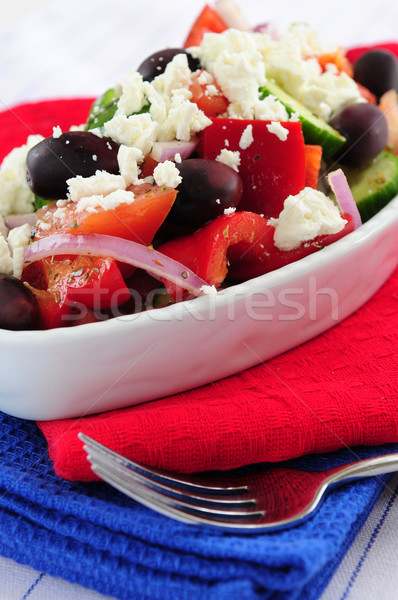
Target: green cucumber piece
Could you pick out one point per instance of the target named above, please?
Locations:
(103, 109)
(315, 130)
(374, 185)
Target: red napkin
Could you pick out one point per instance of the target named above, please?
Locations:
(337, 390)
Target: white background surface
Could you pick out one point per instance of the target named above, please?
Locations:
(58, 48)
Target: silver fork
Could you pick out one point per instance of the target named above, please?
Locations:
(254, 498)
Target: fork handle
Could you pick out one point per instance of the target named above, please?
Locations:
(367, 467)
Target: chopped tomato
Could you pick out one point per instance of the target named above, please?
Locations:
(89, 281)
(262, 256)
(271, 169)
(52, 313)
(208, 96)
(137, 221)
(209, 21)
(148, 166)
(337, 58)
(313, 157)
(389, 106)
(367, 94)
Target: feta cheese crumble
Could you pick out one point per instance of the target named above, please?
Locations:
(108, 202)
(209, 290)
(57, 131)
(229, 158)
(128, 159)
(230, 210)
(100, 183)
(6, 264)
(278, 129)
(166, 173)
(246, 138)
(15, 195)
(304, 217)
(18, 238)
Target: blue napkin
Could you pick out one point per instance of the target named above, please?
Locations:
(92, 535)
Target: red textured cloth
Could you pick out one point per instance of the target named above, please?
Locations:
(337, 390)
(354, 53)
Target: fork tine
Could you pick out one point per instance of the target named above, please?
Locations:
(185, 482)
(178, 509)
(197, 496)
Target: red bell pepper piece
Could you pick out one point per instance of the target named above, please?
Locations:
(271, 169)
(262, 256)
(313, 157)
(241, 245)
(205, 251)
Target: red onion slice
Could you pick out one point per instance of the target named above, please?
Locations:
(162, 151)
(231, 15)
(341, 189)
(132, 253)
(13, 221)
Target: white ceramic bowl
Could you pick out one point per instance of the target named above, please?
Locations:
(97, 367)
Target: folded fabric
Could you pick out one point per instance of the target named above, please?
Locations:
(339, 389)
(90, 534)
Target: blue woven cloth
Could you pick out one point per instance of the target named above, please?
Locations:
(91, 535)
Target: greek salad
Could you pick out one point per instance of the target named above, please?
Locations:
(230, 156)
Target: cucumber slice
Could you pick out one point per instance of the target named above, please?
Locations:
(315, 130)
(103, 109)
(375, 185)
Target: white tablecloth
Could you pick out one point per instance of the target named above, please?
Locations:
(50, 49)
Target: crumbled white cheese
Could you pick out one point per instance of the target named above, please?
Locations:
(6, 264)
(246, 138)
(133, 96)
(18, 238)
(3, 227)
(137, 130)
(166, 173)
(230, 210)
(276, 128)
(40, 224)
(100, 183)
(15, 195)
(304, 217)
(230, 158)
(183, 119)
(128, 159)
(108, 202)
(211, 90)
(18, 262)
(57, 131)
(177, 157)
(270, 109)
(94, 157)
(292, 63)
(235, 60)
(176, 75)
(205, 77)
(209, 290)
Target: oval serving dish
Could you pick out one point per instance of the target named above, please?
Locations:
(128, 360)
